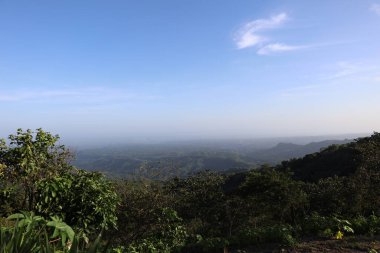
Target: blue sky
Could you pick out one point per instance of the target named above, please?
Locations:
(140, 70)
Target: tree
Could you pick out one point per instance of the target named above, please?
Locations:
(329, 196)
(140, 201)
(199, 200)
(83, 199)
(38, 168)
(29, 157)
(275, 195)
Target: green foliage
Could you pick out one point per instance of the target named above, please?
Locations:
(169, 236)
(275, 194)
(35, 175)
(140, 201)
(30, 234)
(343, 225)
(282, 234)
(199, 200)
(20, 239)
(213, 244)
(32, 222)
(364, 197)
(366, 225)
(206, 211)
(316, 224)
(373, 225)
(83, 199)
(61, 230)
(34, 155)
(326, 226)
(333, 161)
(29, 157)
(329, 196)
(10, 198)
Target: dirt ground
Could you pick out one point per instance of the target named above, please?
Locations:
(347, 245)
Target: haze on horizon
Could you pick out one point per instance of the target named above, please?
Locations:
(166, 70)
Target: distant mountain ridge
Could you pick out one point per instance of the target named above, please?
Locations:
(181, 160)
(285, 151)
(337, 160)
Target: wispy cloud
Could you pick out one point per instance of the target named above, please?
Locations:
(82, 95)
(344, 69)
(247, 35)
(273, 48)
(352, 70)
(277, 48)
(251, 35)
(375, 8)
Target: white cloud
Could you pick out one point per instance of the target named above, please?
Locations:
(250, 35)
(375, 8)
(247, 35)
(276, 48)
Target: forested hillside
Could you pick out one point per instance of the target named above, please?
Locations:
(163, 161)
(284, 151)
(47, 205)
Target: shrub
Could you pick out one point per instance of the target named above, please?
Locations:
(373, 225)
(83, 199)
(282, 234)
(360, 225)
(168, 236)
(325, 226)
(30, 157)
(28, 233)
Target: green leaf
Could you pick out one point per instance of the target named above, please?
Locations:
(16, 216)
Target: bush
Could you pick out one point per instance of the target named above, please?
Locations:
(198, 244)
(326, 226)
(360, 225)
(30, 157)
(168, 236)
(9, 198)
(275, 195)
(28, 233)
(83, 199)
(366, 225)
(282, 234)
(141, 204)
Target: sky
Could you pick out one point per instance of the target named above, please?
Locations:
(119, 70)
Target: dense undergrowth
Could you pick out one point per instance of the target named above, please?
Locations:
(49, 206)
